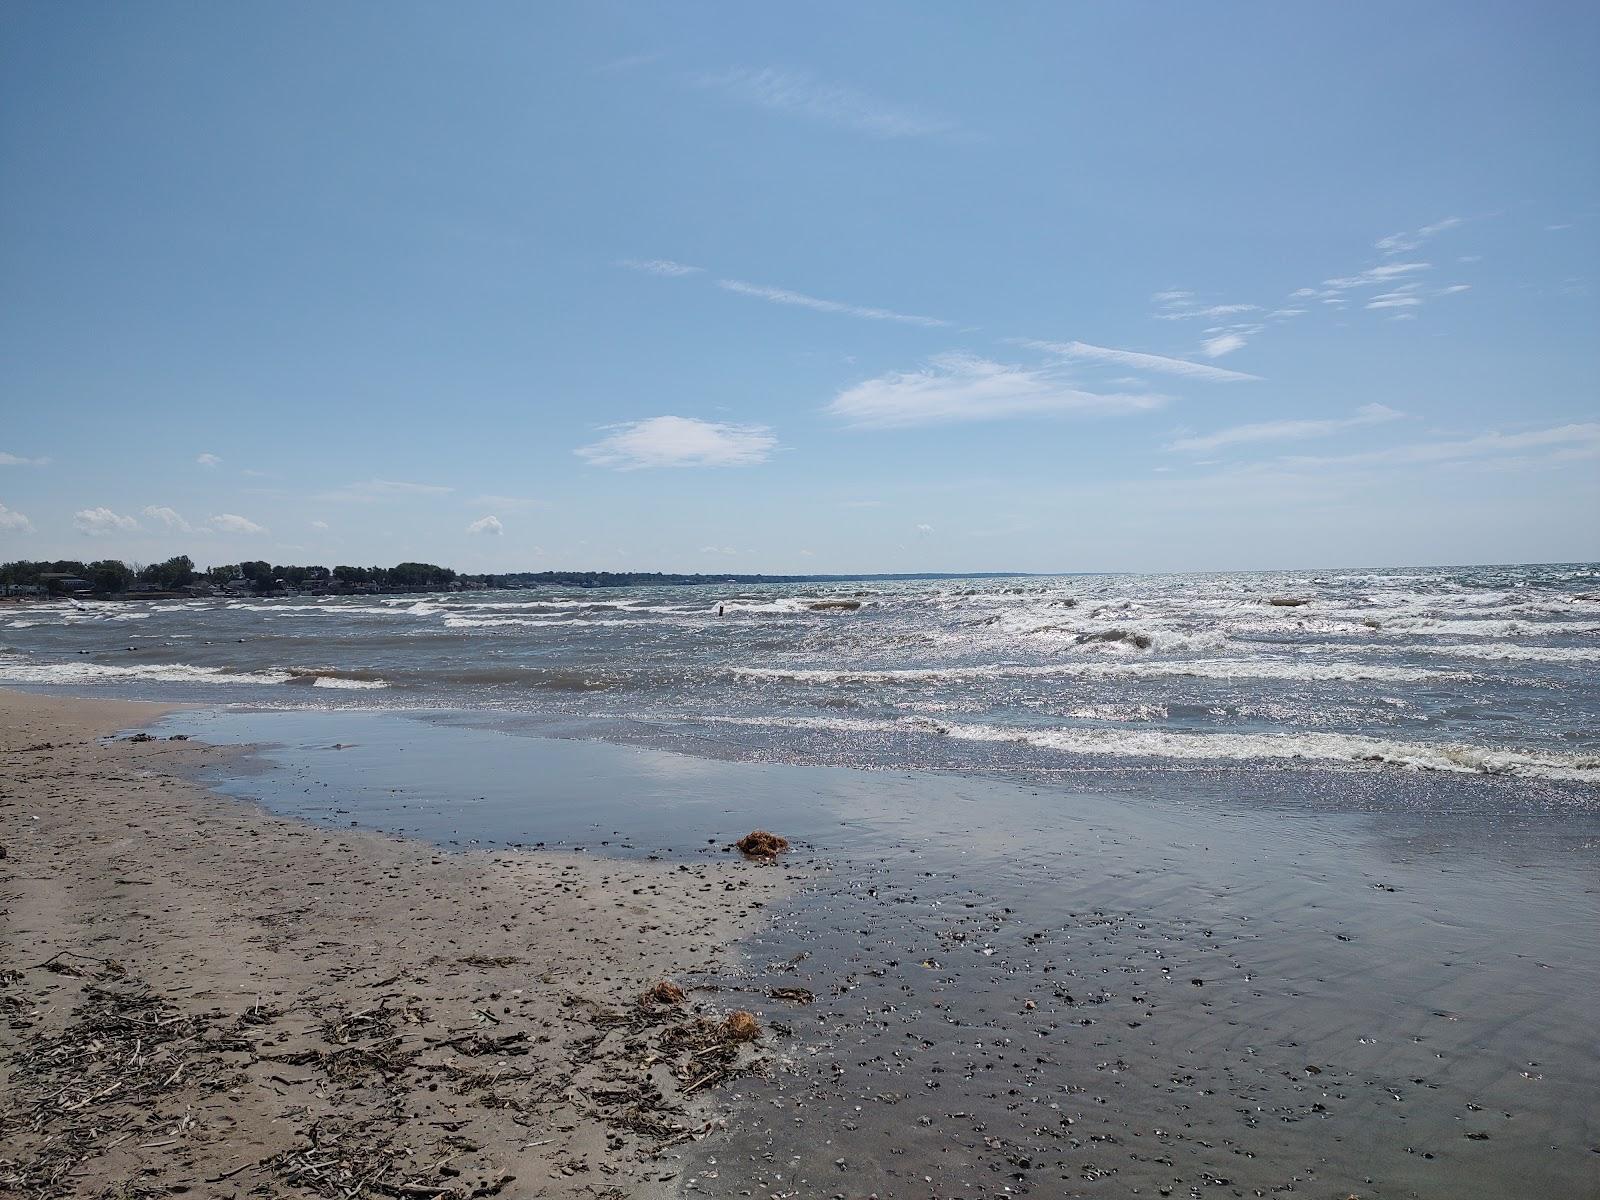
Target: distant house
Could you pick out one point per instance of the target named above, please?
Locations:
(22, 589)
(60, 583)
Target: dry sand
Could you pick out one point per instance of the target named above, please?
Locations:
(200, 997)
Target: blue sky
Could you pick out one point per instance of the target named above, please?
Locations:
(745, 288)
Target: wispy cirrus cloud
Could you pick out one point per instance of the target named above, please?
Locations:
(960, 388)
(659, 266)
(670, 441)
(17, 460)
(1578, 440)
(1406, 242)
(1384, 274)
(1395, 300)
(777, 295)
(208, 460)
(1281, 431)
(1222, 343)
(801, 94)
(1136, 360)
(1183, 306)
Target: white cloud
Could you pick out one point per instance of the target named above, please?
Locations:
(802, 95)
(722, 550)
(1454, 289)
(1573, 441)
(168, 517)
(1393, 270)
(233, 523)
(99, 522)
(487, 525)
(208, 460)
(1186, 309)
(1368, 278)
(958, 387)
(319, 524)
(680, 442)
(1138, 361)
(1404, 243)
(384, 489)
(1274, 431)
(12, 521)
(1395, 300)
(16, 460)
(924, 529)
(784, 296)
(1223, 343)
(659, 266)
(1385, 275)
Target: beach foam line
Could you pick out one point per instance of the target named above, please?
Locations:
(331, 677)
(1356, 750)
(1506, 652)
(15, 670)
(1215, 668)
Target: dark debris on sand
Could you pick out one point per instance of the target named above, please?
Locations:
(129, 1062)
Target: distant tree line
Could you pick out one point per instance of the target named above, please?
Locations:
(110, 576)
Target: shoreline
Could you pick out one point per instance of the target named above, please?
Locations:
(199, 993)
(1057, 992)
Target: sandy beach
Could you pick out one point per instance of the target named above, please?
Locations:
(348, 953)
(201, 997)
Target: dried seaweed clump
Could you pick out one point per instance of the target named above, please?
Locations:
(665, 992)
(760, 844)
(741, 1026)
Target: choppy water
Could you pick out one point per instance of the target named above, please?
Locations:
(1486, 670)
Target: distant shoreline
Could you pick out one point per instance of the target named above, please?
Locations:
(82, 581)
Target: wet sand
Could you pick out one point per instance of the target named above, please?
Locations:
(977, 987)
(1377, 985)
(201, 997)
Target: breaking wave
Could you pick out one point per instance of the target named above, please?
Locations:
(1194, 668)
(1355, 750)
(88, 672)
(16, 670)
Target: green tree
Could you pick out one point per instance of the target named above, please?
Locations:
(176, 572)
(110, 575)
